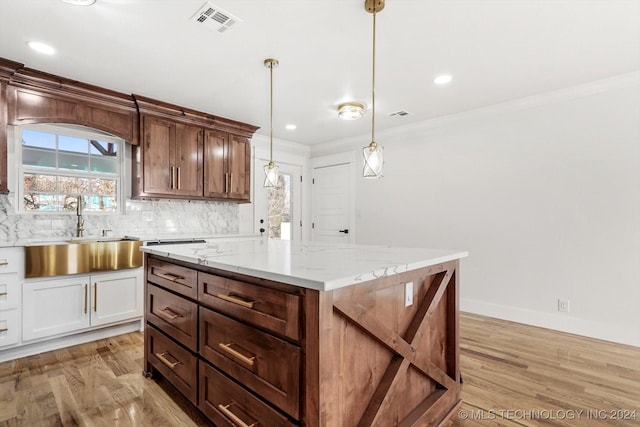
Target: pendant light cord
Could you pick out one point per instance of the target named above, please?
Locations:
(373, 82)
(271, 114)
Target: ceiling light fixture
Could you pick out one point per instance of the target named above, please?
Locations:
(443, 79)
(271, 169)
(350, 110)
(80, 2)
(372, 153)
(41, 48)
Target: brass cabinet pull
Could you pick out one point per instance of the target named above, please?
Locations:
(4, 263)
(169, 276)
(230, 182)
(4, 329)
(233, 417)
(227, 347)
(178, 176)
(2, 294)
(95, 297)
(86, 292)
(163, 359)
(170, 313)
(171, 178)
(227, 180)
(236, 300)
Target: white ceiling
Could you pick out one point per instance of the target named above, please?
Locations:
(496, 50)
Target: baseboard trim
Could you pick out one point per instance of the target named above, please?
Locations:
(562, 322)
(29, 349)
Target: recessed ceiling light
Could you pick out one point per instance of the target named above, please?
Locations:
(350, 110)
(41, 47)
(290, 127)
(80, 2)
(442, 79)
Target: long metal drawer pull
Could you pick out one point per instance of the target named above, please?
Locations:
(233, 417)
(227, 347)
(236, 300)
(2, 294)
(169, 276)
(95, 297)
(85, 298)
(163, 359)
(3, 263)
(4, 329)
(170, 313)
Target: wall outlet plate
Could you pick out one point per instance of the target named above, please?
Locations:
(408, 294)
(563, 305)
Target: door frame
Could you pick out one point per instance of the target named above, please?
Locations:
(348, 158)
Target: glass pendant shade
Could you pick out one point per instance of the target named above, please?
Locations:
(271, 175)
(373, 161)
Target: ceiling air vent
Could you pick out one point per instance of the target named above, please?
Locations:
(214, 18)
(399, 113)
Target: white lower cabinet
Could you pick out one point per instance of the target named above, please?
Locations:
(9, 327)
(11, 276)
(64, 305)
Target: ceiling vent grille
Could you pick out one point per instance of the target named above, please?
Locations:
(214, 18)
(399, 113)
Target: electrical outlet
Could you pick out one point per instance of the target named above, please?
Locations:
(563, 305)
(408, 294)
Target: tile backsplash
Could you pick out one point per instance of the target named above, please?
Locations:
(141, 218)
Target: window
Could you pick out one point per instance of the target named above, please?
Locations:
(60, 163)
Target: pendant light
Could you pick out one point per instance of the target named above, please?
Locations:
(271, 169)
(372, 153)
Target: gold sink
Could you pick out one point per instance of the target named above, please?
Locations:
(82, 256)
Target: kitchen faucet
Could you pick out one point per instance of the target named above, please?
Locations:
(80, 226)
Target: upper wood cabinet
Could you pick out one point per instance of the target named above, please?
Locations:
(172, 158)
(189, 154)
(227, 166)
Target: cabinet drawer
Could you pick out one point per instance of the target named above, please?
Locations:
(266, 308)
(228, 404)
(9, 327)
(179, 279)
(12, 260)
(174, 315)
(9, 291)
(265, 364)
(175, 363)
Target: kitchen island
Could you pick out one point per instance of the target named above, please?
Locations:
(284, 333)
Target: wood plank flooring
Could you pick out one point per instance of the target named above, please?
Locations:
(514, 375)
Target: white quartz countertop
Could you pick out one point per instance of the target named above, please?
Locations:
(314, 265)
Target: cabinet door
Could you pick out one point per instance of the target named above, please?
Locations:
(215, 164)
(159, 137)
(239, 168)
(116, 296)
(187, 160)
(54, 307)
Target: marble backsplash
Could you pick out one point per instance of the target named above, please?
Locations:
(141, 218)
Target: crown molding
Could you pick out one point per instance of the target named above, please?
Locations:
(407, 132)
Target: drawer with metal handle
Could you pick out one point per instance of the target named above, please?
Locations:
(176, 316)
(227, 403)
(260, 361)
(175, 363)
(173, 277)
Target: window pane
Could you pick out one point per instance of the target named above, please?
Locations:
(73, 162)
(279, 201)
(72, 144)
(39, 158)
(101, 148)
(96, 203)
(104, 164)
(72, 185)
(41, 202)
(69, 202)
(104, 187)
(33, 182)
(33, 138)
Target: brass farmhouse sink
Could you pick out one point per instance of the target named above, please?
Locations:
(81, 256)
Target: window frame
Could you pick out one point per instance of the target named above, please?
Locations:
(72, 131)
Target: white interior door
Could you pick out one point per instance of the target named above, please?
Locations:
(331, 204)
(278, 211)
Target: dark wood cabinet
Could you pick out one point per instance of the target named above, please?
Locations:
(171, 158)
(227, 167)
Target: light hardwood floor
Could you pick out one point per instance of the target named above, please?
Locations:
(512, 374)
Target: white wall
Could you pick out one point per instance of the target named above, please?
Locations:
(544, 193)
